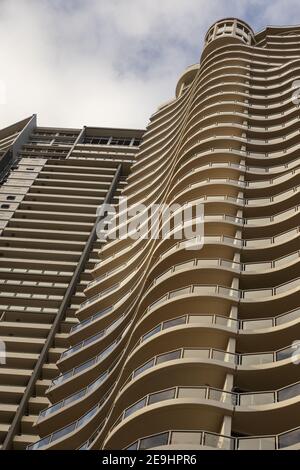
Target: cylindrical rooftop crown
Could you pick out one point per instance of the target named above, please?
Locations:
(230, 27)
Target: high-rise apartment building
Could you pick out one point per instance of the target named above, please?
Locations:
(180, 348)
(52, 182)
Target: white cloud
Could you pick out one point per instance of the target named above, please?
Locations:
(106, 62)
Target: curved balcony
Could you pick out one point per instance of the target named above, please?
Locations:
(237, 243)
(66, 376)
(247, 360)
(231, 142)
(92, 339)
(255, 295)
(220, 320)
(64, 432)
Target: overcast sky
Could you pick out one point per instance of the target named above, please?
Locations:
(108, 62)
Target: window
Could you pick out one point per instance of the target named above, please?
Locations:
(5, 206)
(10, 198)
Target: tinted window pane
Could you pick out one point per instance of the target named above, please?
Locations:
(168, 357)
(190, 392)
(132, 447)
(43, 442)
(137, 406)
(143, 368)
(72, 398)
(63, 432)
(289, 439)
(154, 441)
(284, 354)
(289, 392)
(152, 332)
(175, 322)
(160, 396)
(183, 438)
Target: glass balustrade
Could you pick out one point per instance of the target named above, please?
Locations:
(201, 393)
(246, 359)
(256, 443)
(95, 360)
(92, 318)
(78, 395)
(98, 296)
(67, 429)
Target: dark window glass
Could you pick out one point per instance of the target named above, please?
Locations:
(143, 367)
(63, 432)
(289, 392)
(133, 446)
(168, 357)
(137, 406)
(175, 322)
(289, 438)
(161, 396)
(152, 332)
(284, 354)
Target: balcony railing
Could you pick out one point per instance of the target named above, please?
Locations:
(237, 359)
(201, 393)
(83, 420)
(91, 362)
(81, 367)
